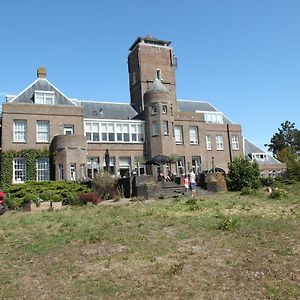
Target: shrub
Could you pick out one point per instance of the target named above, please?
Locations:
(228, 223)
(248, 191)
(90, 197)
(105, 186)
(268, 181)
(243, 173)
(278, 193)
(47, 191)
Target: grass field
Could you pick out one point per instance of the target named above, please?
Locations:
(224, 246)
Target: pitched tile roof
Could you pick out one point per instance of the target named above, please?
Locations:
(105, 110)
(41, 84)
(250, 148)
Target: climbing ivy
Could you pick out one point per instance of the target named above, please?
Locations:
(31, 156)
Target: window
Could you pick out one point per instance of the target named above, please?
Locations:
(194, 135)
(112, 163)
(213, 117)
(124, 165)
(92, 131)
(180, 164)
(235, 142)
(93, 167)
(42, 131)
(259, 156)
(44, 97)
(208, 142)
(19, 165)
(68, 129)
(20, 131)
(114, 132)
(165, 128)
(136, 132)
(42, 169)
(73, 171)
(122, 132)
(61, 172)
(219, 142)
(196, 164)
(164, 109)
(153, 110)
(107, 132)
(133, 81)
(158, 74)
(178, 134)
(155, 128)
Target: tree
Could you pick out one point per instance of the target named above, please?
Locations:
(286, 137)
(243, 173)
(292, 160)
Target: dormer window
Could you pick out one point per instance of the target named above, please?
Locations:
(44, 97)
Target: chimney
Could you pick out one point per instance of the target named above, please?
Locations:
(41, 72)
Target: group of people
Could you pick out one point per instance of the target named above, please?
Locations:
(169, 177)
(190, 182)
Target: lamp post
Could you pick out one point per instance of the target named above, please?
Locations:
(213, 164)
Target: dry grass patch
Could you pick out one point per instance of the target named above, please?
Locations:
(220, 247)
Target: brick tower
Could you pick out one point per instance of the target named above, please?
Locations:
(150, 58)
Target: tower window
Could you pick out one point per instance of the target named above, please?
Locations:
(133, 80)
(164, 109)
(154, 110)
(158, 74)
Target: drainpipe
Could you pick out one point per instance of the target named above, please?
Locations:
(229, 143)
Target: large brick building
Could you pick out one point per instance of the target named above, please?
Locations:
(81, 133)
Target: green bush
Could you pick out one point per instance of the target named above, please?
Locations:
(248, 191)
(268, 181)
(243, 173)
(105, 186)
(55, 191)
(278, 193)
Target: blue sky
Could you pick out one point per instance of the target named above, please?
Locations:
(241, 56)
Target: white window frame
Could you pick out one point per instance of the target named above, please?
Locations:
(19, 170)
(178, 134)
(164, 109)
(61, 172)
(42, 169)
(42, 131)
(235, 142)
(68, 129)
(208, 142)
(44, 97)
(194, 137)
(20, 131)
(219, 142)
(92, 131)
(121, 131)
(73, 172)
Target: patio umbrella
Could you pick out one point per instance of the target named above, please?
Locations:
(158, 160)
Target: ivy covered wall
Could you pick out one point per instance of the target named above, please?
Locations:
(31, 156)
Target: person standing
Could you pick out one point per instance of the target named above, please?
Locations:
(186, 183)
(193, 182)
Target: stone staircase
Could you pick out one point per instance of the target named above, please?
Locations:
(174, 190)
